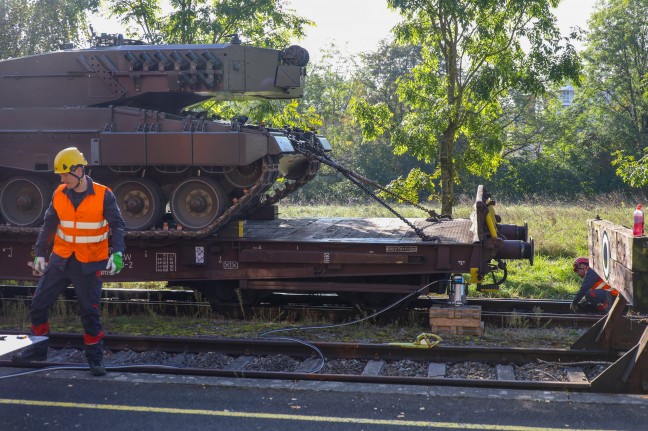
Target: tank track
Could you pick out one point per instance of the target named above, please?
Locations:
(256, 196)
(251, 199)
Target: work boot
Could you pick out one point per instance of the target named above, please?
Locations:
(36, 352)
(97, 367)
(94, 355)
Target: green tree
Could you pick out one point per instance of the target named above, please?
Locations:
(547, 152)
(260, 22)
(35, 26)
(378, 109)
(473, 54)
(617, 84)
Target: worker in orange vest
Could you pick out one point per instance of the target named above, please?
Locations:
(595, 294)
(77, 222)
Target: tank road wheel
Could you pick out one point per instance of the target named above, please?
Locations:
(140, 202)
(245, 176)
(23, 200)
(197, 201)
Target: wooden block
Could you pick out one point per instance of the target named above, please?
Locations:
(265, 213)
(455, 322)
(468, 312)
(478, 332)
(459, 330)
(447, 317)
(235, 229)
(442, 312)
(452, 312)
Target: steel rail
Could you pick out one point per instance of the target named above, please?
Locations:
(362, 351)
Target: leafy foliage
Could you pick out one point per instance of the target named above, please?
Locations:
(260, 22)
(472, 56)
(617, 85)
(35, 26)
(465, 96)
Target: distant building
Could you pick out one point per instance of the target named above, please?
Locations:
(566, 95)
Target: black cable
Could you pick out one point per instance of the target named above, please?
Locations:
(264, 334)
(86, 368)
(319, 367)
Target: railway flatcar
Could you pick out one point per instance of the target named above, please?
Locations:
(369, 261)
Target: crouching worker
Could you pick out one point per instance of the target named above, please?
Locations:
(595, 295)
(77, 222)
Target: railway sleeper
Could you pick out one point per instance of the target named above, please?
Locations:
(613, 336)
(456, 369)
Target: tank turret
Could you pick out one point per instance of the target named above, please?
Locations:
(123, 104)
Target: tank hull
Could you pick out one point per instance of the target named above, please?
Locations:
(124, 107)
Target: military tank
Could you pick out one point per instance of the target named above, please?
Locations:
(126, 106)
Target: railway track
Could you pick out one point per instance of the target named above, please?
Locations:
(522, 368)
(610, 357)
(321, 307)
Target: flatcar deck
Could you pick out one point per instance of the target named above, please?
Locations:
(369, 230)
(314, 254)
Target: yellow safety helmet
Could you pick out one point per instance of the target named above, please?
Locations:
(68, 159)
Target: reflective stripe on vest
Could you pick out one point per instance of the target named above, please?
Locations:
(82, 231)
(86, 239)
(601, 284)
(84, 225)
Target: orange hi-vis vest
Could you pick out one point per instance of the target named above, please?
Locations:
(602, 284)
(82, 231)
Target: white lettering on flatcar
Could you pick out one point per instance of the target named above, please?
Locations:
(230, 264)
(165, 262)
(401, 249)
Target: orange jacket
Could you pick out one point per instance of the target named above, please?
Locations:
(82, 231)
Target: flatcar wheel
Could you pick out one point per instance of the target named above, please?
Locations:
(245, 176)
(197, 201)
(23, 200)
(371, 301)
(223, 295)
(140, 202)
(228, 295)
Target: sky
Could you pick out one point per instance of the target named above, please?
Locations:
(358, 25)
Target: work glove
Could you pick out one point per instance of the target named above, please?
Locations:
(115, 263)
(39, 265)
(574, 307)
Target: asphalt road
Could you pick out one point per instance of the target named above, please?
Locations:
(74, 400)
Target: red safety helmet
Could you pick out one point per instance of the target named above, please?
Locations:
(579, 261)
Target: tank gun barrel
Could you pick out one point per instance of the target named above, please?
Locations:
(164, 78)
